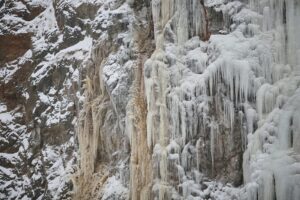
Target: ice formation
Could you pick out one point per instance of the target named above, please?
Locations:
(251, 72)
(177, 99)
(211, 96)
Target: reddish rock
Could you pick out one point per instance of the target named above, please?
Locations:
(14, 46)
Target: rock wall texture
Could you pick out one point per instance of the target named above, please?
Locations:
(150, 99)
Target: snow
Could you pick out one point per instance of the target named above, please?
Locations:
(84, 45)
(113, 189)
(77, 3)
(45, 22)
(58, 174)
(57, 112)
(7, 72)
(19, 5)
(210, 3)
(3, 107)
(6, 117)
(79, 51)
(43, 3)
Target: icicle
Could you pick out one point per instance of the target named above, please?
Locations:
(198, 148)
(212, 146)
(284, 130)
(292, 13)
(166, 10)
(267, 188)
(186, 157)
(252, 191)
(296, 130)
(266, 99)
(229, 112)
(251, 117)
(156, 6)
(213, 135)
(182, 27)
(267, 19)
(181, 173)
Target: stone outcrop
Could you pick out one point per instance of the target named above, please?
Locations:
(38, 102)
(14, 46)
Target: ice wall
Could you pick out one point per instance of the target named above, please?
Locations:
(193, 129)
(271, 163)
(112, 127)
(210, 101)
(214, 103)
(141, 171)
(103, 144)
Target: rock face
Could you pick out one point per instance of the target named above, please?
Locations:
(149, 99)
(14, 46)
(39, 99)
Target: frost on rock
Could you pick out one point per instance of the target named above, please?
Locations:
(39, 80)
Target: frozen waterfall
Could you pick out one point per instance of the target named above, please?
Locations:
(217, 98)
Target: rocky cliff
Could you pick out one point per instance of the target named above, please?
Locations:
(150, 99)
